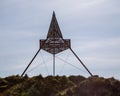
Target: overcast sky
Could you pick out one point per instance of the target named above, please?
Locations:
(92, 25)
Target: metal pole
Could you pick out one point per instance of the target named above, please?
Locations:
(81, 62)
(30, 63)
(53, 64)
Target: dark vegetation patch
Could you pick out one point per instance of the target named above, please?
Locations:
(59, 86)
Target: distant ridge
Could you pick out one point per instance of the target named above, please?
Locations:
(59, 86)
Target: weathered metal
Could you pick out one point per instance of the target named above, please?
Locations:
(54, 43)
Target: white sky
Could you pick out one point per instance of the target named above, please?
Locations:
(92, 25)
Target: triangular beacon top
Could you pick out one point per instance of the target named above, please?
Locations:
(54, 30)
(54, 43)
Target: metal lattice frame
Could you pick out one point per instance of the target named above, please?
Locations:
(54, 44)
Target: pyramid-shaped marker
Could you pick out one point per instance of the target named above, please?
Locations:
(54, 44)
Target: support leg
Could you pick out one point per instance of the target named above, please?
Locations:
(53, 64)
(81, 62)
(30, 63)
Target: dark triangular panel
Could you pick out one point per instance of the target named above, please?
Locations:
(54, 30)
